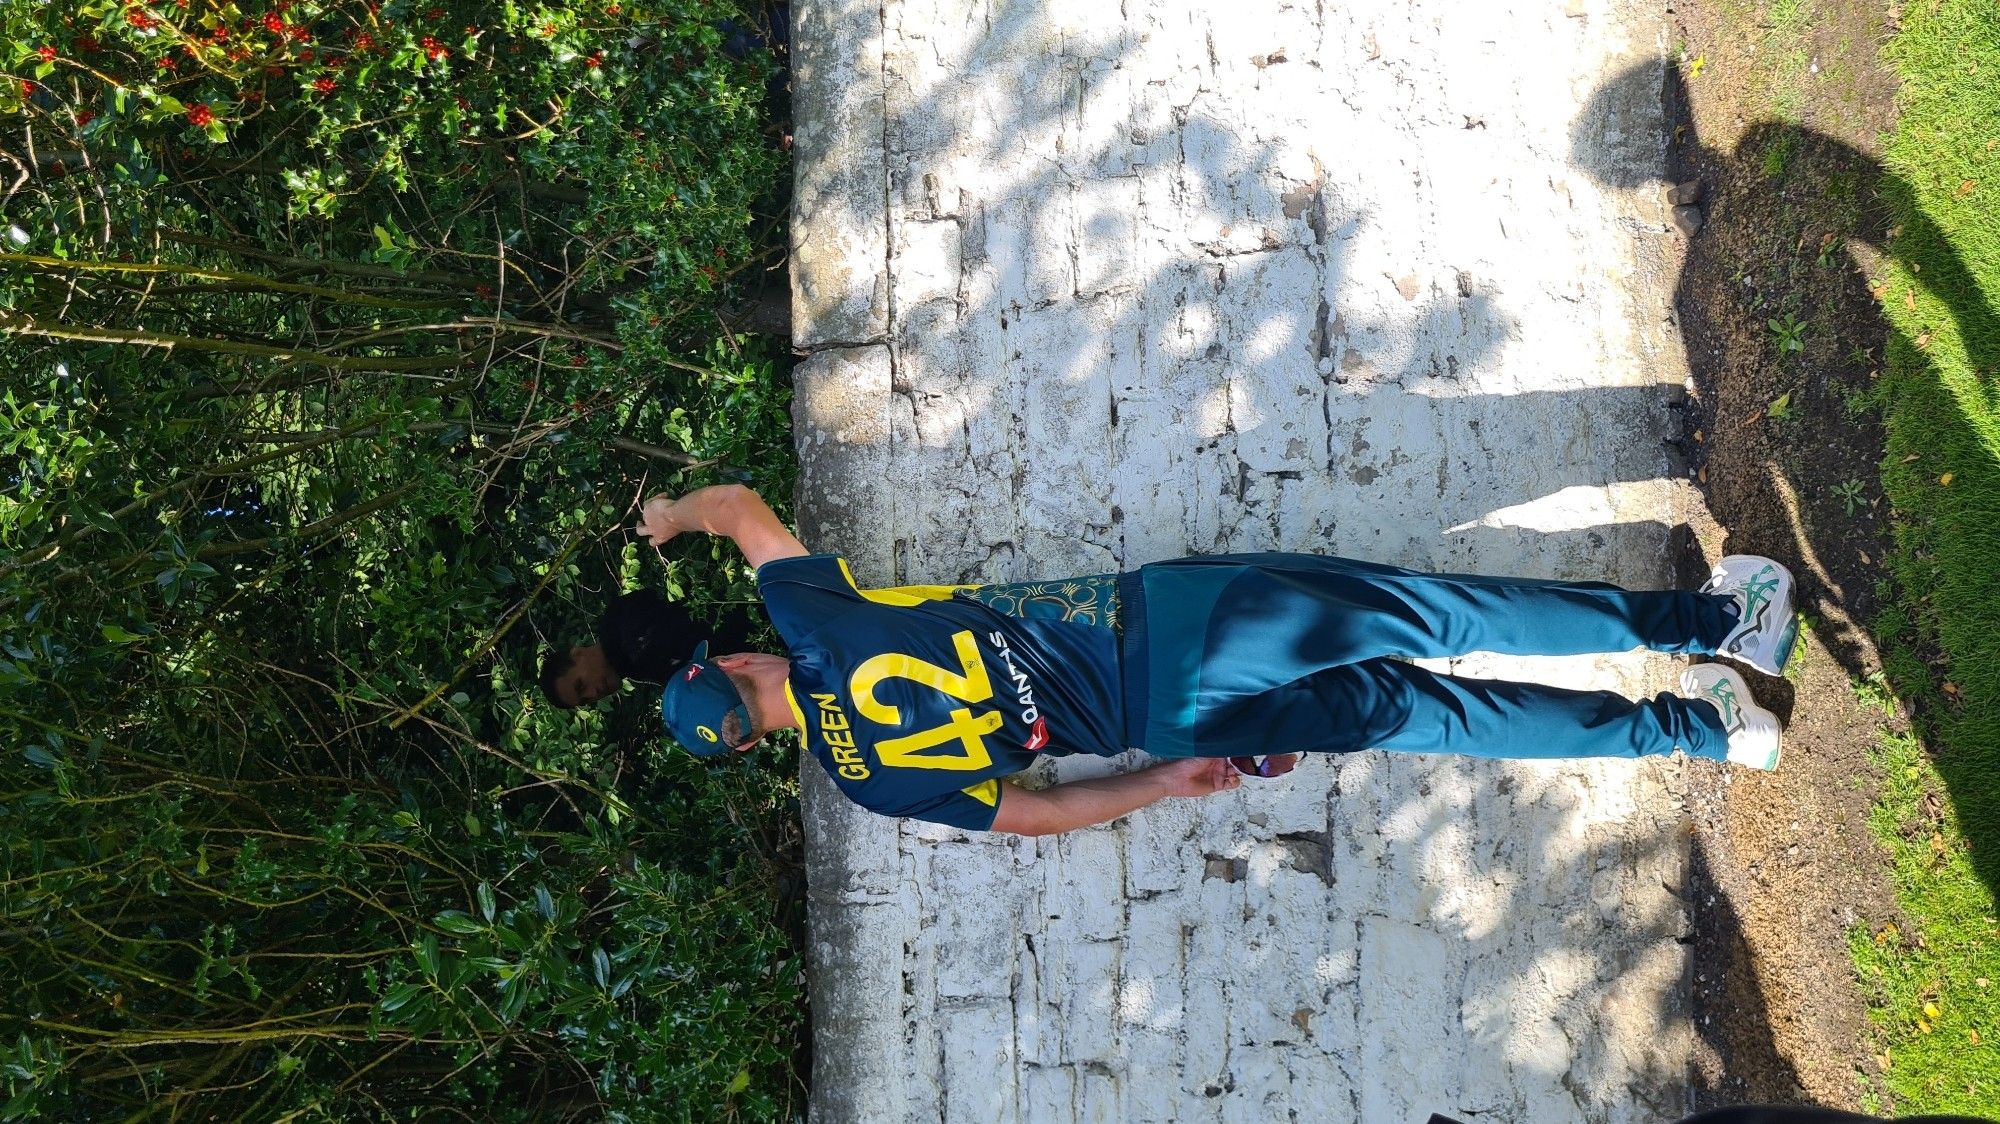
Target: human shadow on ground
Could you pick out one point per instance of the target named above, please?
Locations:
(1772, 485)
(1793, 450)
(1725, 984)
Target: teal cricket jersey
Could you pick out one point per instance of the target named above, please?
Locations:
(917, 701)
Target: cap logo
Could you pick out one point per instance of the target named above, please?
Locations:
(694, 669)
(705, 732)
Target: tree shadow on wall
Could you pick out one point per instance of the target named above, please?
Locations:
(1306, 385)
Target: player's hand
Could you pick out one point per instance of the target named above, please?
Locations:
(1200, 776)
(656, 523)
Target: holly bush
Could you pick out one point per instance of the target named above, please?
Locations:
(339, 340)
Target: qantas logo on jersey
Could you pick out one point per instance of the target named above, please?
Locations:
(1024, 694)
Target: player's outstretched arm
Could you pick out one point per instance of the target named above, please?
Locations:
(1066, 807)
(729, 510)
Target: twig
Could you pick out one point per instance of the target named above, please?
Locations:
(16, 324)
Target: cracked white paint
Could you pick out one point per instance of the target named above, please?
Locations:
(1089, 285)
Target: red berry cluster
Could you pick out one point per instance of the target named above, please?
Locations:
(324, 86)
(433, 49)
(276, 26)
(141, 19)
(200, 116)
(86, 43)
(48, 53)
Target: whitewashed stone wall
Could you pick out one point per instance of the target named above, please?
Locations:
(1087, 285)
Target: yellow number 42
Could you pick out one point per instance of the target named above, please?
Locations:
(969, 730)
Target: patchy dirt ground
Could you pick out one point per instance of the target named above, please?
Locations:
(1778, 119)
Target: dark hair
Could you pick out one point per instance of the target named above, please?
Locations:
(556, 663)
(646, 636)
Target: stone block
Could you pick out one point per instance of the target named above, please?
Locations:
(1048, 1092)
(1159, 858)
(1263, 1087)
(1084, 983)
(1153, 1080)
(840, 250)
(1083, 884)
(856, 991)
(980, 907)
(1100, 1097)
(981, 1044)
(860, 848)
(1108, 215)
(841, 426)
(925, 261)
(1411, 1046)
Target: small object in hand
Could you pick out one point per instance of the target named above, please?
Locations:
(1271, 765)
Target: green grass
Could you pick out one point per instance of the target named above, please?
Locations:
(1790, 18)
(1935, 1002)
(1788, 24)
(1940, 812)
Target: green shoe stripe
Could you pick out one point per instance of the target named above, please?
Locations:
(1757, 591)
(1724, 697)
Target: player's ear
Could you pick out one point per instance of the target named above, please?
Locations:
(735, 661)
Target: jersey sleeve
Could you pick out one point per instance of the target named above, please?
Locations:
(971, 808)
(800, 594)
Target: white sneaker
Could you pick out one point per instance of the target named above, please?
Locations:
(1766, 627)
(1754, 734)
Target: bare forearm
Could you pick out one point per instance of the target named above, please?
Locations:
(717, 509)
(729, 510)
(1066, 807)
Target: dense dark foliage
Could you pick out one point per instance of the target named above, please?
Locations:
(337, 340)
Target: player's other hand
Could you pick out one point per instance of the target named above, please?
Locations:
(656, 523)
(1200, 776)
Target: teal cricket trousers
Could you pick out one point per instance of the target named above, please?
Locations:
(1235, 655)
